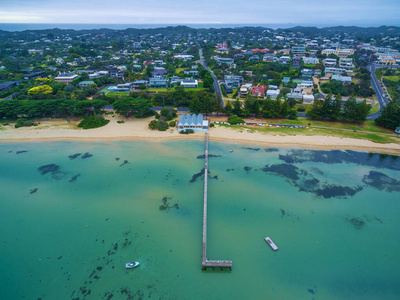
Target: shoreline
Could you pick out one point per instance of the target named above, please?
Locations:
(137, 130)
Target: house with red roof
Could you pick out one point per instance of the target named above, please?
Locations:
(259, 50)
(259, 91)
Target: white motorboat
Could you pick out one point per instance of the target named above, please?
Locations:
(131, 265)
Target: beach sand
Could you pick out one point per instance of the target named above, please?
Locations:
(137, 129)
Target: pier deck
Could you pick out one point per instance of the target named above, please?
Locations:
(205, 262)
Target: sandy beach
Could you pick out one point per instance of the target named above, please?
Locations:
(137, 129)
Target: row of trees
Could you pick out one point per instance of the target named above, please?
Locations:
(49, 108)
(268, 108)
(337, 110)
(389, 116)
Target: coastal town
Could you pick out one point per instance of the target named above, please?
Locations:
(285, 78)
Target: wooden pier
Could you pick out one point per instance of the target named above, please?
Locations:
(205, 262)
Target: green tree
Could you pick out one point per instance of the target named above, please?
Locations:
(228, 108)
(237, 108)
(389, 116)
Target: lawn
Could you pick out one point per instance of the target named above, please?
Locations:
(374, 108)
(308, 66)
(375, 137)
(392, 78)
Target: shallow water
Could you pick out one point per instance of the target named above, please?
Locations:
(69, 224)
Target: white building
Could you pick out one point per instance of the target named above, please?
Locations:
(65, 77)
(273, 93)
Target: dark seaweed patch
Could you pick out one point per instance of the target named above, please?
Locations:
(124, 163)
(51, 168)
(32, 191)
(284, 170)
(197, 175)
(252, 149)
(339, 156)
(329, 191)
(86, 155)
(311, 291)
(283, 212)
(357, 223)
(74, 178)
(22, 151)
(228, 170)
(73, 156)
(271, 149)
(247, 169)
(203, 156)
(117, 158)
(166, 205)
(381, 181)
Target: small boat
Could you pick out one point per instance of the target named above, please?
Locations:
(231, 150)
(271, 243)
(131, 265)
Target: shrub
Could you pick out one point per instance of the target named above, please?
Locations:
(234, 119)
(187, 131)
(158, 124)
(301, 109)
(212, 125)
(94, 121)
(21, 122)
(172, 124)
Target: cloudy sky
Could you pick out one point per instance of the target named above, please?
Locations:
(324, 12)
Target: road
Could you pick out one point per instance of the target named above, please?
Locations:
(217, 88)
(380, 95)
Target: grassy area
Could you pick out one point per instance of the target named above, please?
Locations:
(308, 66)
(306, 106)
(374, 109)
(118, 94)
(178, 70)
(375, 137)
(392, 78)
(367, 126)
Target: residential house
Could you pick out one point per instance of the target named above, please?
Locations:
(310, 60)
(66, 77)
(193, 122)
(273, 93)
(85, 84)
(98, 74)
(299, 51)
(238, 56)
(34, 75)
(296, 62)
(158, 82)
(270, 57)
(257, 50)
(346, 63)
(286, 80)
(121, 88)
(254, 57)
(259, 91)
(223, 60)
(184, 57)
(305, 84)
(5, 86)
(189, 83)
(334, 71)
(284, 59)
(222, 50)
(307, 73)
(191, 72)
(227, 89)
(159, 71)
(308, 99)
(233, 81)
(138, 83)
(295, 96)
(344, 79)
(272, 87)
(330, 62)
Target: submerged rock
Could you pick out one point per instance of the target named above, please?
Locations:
(357, 223)
(124, 163)
(74, 178)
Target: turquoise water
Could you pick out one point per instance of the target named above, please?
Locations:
(69, 224)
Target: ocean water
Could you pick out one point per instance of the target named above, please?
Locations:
(72, 214)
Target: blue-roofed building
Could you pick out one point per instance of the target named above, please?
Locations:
(192, 121)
